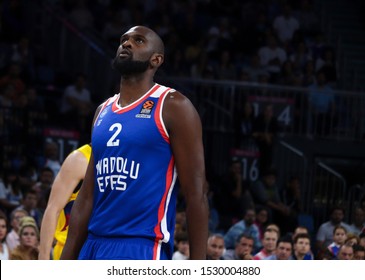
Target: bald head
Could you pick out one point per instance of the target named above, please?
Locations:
(152, 36)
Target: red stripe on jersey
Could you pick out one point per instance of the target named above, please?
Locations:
(119, 110)
(161, 208)
(158, 118)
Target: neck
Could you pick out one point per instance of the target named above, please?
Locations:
(269, 252)
(299, 256)
(132, 88)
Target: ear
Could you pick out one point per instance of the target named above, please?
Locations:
(157, 59)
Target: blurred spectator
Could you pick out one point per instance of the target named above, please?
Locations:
(182, 247)
(266, 193)
(225, 69)
(233, 197)
(42, 188)
(287, 74)
(302, 230)
(284, 249)
(339, 238)
(352, 239)
(212, 43)
(302, 247)
(29, 204)
(76, 107)
(326, 63)
(215, 247)
(4, 249)
(259, 16)
(362, 239)
(345, 253)
(309, 74)
(321, 106)
(242, 250)
(245, 226)
(269, 244)
(29, 239)
(274, 227)
(318, 45)
(10, 191)
(325, 231)
(262, 218)
(272, 56)
(220, 37)
(23, 55)
(254, 69)
(13, 78)
(12, 238)
(285, 24)
(359, 252)
(358, 223)
(300, 57)
(264, 131)
(291, 197)
(27, 174)
(51, 157)
(35, 102)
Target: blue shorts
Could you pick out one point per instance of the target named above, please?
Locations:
(104, 248)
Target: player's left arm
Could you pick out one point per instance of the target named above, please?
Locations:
(184, 127)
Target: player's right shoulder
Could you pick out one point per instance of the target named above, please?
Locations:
(101, 107)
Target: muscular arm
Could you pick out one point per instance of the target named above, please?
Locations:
(184, 127)
(72, 172)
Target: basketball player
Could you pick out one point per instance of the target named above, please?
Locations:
(142, 139)
(63, 194)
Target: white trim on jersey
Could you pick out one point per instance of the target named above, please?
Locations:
(160, 113)
(164, 230)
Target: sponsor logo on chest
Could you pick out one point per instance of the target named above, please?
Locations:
(146, 110)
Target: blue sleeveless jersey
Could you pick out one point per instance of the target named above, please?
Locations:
(135, 172)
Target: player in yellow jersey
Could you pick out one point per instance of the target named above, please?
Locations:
(63, 193)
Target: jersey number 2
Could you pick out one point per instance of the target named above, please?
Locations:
(112, 142)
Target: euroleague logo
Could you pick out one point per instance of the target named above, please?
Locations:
(146, 109)
(148, 104)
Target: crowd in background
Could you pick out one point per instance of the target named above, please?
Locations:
(268, 41)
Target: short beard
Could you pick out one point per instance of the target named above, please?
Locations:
(129, 67)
